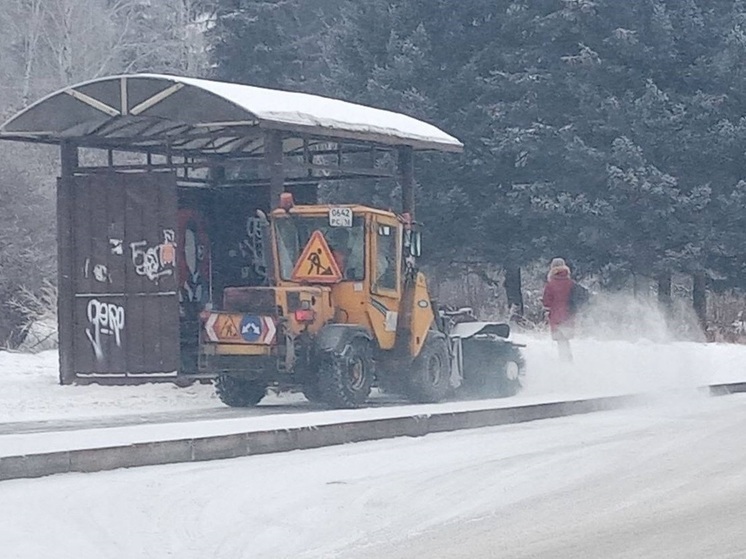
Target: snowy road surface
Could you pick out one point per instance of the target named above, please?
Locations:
(667, 480)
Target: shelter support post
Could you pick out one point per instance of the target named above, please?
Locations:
(273, 155)
(406, 180)
(404, 325)
(65, 288)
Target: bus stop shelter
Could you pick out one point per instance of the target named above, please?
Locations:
(160, 181)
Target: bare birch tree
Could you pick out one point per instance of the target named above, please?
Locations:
(49, 44)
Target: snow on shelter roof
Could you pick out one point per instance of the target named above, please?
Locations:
(142, 111)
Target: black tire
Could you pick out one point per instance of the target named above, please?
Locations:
(493, 369)
(345, 377)
(239, 392)
(430, 377)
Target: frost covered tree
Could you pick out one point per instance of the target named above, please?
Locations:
(545, 95)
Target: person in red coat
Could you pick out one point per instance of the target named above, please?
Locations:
(556, 301)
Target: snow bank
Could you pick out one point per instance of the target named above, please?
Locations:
(600, 368)
(31, 391)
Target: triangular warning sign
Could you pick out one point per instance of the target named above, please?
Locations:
(316, 263)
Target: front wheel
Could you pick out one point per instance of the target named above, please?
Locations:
(492, 368)
(430, 376)
(510, 372)
(238, 392)
(345, 377)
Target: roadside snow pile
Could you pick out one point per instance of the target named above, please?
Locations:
(31, 391)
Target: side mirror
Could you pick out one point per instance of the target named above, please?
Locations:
(413, 243)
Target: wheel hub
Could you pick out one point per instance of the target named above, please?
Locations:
(357, 374)
(511, 370)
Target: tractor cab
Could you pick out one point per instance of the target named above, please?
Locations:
(337, 274)
(356, 252)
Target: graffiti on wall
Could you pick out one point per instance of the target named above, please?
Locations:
(116, 246)
(155, 262)
(194, 258)
(104, 319)
(252, 250)
(99, 272)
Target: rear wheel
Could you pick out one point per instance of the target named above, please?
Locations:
(430, 377)
(345, 377)
(239, 392)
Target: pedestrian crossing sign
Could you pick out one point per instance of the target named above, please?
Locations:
(316, 263)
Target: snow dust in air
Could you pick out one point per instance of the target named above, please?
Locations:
(624, 344)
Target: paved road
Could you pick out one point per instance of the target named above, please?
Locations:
(678, 490)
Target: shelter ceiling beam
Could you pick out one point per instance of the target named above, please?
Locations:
(290, 181)
(155, 99)
(141, 128)
(95, 103)
(221, 146)
(329, 171)
(145, 167)
(123, 96)
(35, 138)
(226, 124)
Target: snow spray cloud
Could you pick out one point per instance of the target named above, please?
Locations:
(622, 344)
(622, 316)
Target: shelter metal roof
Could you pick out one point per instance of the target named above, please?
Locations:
(202, 117)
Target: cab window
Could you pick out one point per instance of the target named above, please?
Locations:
(387, 244)
(346, 244)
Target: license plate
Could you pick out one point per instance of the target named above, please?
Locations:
(340, 217)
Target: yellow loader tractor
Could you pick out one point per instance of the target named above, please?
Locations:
(346, 310)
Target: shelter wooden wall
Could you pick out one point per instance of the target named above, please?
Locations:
(121, 256)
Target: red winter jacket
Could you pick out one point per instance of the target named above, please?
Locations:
(557, 297)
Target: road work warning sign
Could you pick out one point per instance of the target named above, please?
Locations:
(317, 263)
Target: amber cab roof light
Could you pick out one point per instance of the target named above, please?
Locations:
(286, 201)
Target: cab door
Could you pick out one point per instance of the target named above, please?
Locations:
(385, 279)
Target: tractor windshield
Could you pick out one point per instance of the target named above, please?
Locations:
(346, 244)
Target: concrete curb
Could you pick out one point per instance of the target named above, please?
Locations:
(283, 440)
(728, 388)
